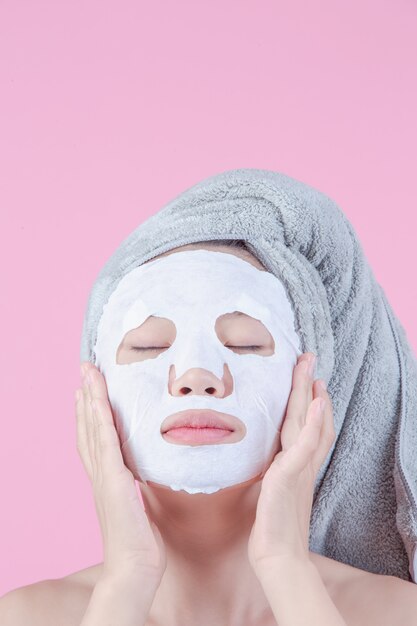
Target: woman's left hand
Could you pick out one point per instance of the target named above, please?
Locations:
(282, 524)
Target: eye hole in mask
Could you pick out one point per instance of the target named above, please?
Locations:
(237, 331)
(244, 334)
(147, 341)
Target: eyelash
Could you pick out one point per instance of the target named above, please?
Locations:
(236, 348)
(148, 349)
(245, 347)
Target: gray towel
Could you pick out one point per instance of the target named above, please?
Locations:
(364, 510)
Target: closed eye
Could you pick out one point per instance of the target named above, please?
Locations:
(153, 348)
(244, 347)
(149, 349)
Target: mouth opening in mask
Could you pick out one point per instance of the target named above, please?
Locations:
(197, 427)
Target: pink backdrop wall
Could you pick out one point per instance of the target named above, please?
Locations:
(110, 109)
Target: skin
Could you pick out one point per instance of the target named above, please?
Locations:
(196, 564)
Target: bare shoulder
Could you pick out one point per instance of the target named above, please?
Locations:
(379, 600)
(49, 602)
(367, 599)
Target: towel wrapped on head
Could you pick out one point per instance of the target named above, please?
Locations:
(365, 498)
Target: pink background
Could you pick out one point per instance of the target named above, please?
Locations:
(109, 110)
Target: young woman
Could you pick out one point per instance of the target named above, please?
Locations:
(236, 557)
(242, 555)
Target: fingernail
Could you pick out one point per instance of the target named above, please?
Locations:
(311, 364)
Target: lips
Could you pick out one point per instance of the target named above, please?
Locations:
(201, 418)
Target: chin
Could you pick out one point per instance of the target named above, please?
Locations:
(246, 483)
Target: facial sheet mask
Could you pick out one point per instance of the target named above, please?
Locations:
(192, 288)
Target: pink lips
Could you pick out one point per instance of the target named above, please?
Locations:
(199, 426)
(197, 435)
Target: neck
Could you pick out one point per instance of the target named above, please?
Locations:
(200, 523)
(208, 572)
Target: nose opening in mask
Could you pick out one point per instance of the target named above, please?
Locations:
(200, 381)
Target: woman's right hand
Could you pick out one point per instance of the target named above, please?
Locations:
(132, 543)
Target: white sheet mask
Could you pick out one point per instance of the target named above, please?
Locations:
(192, 288)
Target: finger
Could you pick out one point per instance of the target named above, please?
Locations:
(296, 458)
(328, 434)
(298, 403)
(108, 442)
(89, 427)
(309, 378)
(310, 396)
(99, 391)
(95, 432)
(82, 445)
(304, 394)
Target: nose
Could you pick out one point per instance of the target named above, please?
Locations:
(200, 382)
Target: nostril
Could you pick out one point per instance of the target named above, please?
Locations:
(211, 390)
(185, 391)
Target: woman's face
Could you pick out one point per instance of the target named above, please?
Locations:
(208, 331)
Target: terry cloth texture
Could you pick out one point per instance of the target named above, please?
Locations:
(364, 510)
